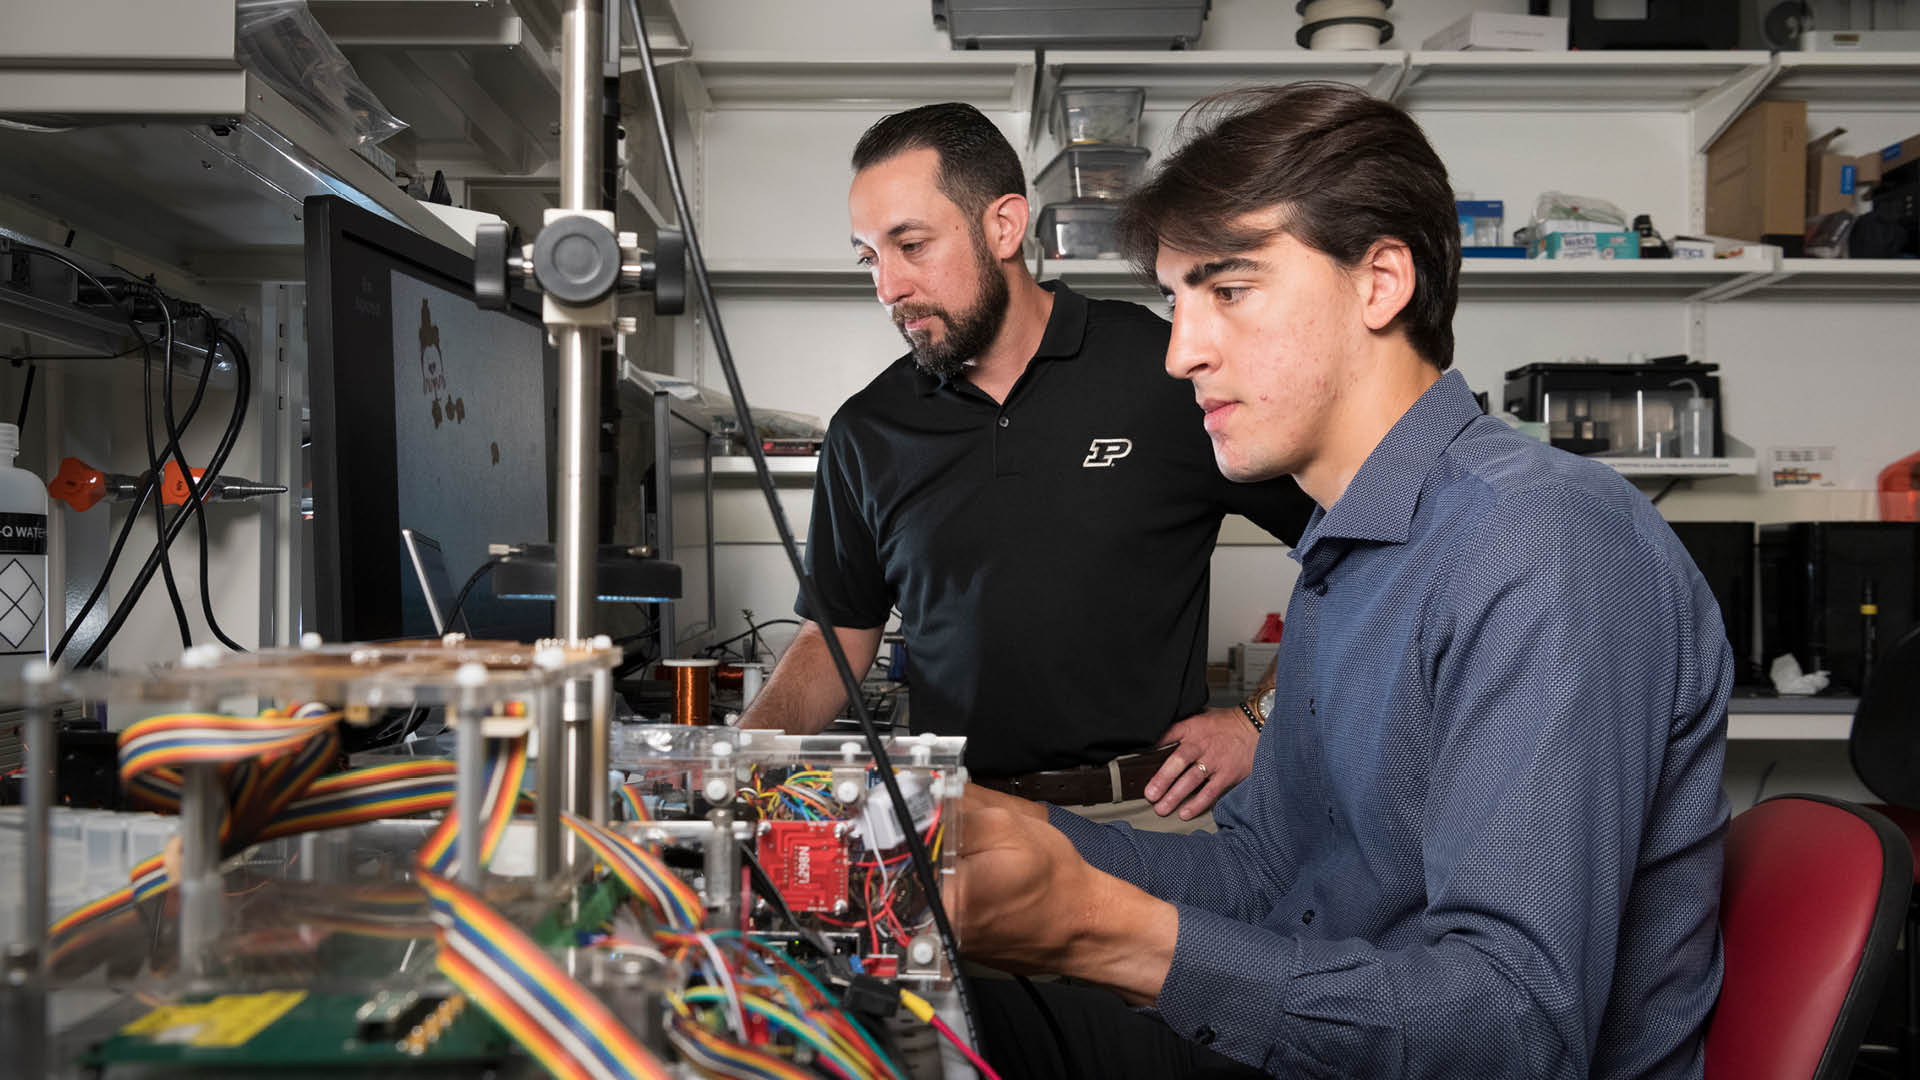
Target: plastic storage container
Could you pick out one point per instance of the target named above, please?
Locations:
(1091, 172)
(1080, 230)
(1097, 116)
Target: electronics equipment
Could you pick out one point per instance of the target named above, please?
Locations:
(1618, 410)
(1654, 24)
(436, 588)
(681, 491)
(429, 414)
(1815, 578)
(1071, 24)
(821, 827)
(1723, 550)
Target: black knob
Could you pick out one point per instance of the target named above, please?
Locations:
(669, 272)
(576, 259)
(491, 242)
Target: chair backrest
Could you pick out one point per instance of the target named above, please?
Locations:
(1810, 911)
(1885, 741)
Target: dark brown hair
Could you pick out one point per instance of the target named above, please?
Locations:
(977, 164)
(1343, 168)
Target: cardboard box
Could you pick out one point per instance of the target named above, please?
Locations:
(1834, 182)
(1590, 245)
(1897, 155)
(1757, 173)
(1497, 30)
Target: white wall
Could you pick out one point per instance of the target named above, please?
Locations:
(773, 187)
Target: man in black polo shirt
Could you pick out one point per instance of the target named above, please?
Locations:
(1032, 492)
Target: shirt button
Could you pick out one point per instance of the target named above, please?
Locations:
(1307, 916)
(1204, 1036)
(1318, 590)
(1310, 709)
(1004, 421)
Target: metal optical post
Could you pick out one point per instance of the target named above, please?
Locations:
(580, 263)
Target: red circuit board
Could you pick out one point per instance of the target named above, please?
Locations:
(807, 861)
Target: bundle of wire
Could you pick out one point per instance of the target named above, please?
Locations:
(885, 886)
(270, 767)
(554, 1018)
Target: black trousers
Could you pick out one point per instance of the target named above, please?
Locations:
(1105, 1039)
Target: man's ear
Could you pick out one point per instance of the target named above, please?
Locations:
(1385, 282)
(1005, 225)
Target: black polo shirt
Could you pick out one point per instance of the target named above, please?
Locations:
(1049, 556)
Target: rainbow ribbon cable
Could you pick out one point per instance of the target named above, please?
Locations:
(713, 1053)
(636, 806)
(506, 767)
(270, 767)
(561, 1023)
(673, 900)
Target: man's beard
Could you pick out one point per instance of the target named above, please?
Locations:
(968, 334)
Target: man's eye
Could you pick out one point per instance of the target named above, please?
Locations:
(1228, 294)
(863, 261)
(912, 246)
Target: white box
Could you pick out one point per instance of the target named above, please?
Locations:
(1498, 30)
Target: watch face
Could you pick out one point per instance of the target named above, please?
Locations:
(1265, 705)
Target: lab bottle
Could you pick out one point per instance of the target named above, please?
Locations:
(23, 560)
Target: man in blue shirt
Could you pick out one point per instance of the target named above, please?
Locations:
(1483, 832)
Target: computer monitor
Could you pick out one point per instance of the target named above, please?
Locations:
(436, 585)
(427, 414)
(682, 494)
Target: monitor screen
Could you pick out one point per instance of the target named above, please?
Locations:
(429, 414)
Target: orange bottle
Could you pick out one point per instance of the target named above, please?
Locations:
(1900, 489)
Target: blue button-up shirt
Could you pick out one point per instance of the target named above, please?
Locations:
(1482, 837)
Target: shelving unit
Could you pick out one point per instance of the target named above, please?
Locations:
(1484, 279)
(779, 465)
(202, 169)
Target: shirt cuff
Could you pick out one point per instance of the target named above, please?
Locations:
(1260, 998)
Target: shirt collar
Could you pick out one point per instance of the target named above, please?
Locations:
(1066, 331)
(1380, 501)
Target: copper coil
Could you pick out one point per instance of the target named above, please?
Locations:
(692, 690)
(729, 677)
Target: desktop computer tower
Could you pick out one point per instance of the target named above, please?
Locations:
(1815, 578)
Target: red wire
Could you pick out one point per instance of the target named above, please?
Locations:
(986, 1070)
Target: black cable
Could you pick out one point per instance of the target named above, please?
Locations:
(460, 601)
(810, 594)
(150, 483)
(196, 505)
(26, 398)
(155, 463)
(763, 885)
(1071, 1067)
(752, 630)
(242, 390)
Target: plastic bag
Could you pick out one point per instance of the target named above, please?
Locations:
(281, 42)
(1557, 211)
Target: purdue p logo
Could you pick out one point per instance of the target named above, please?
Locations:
(1102, 453)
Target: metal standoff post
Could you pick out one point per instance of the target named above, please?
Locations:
(549, 854)
(469, 769)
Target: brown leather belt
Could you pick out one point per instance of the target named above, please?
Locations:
(1121, 780)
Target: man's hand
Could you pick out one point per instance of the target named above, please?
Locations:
(1220, 739)
(1024, 900)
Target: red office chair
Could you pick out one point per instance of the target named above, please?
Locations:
(1810, 911)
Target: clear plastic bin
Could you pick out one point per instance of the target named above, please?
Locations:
(1097, 115)
(1080, 230)
(1091, 172)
